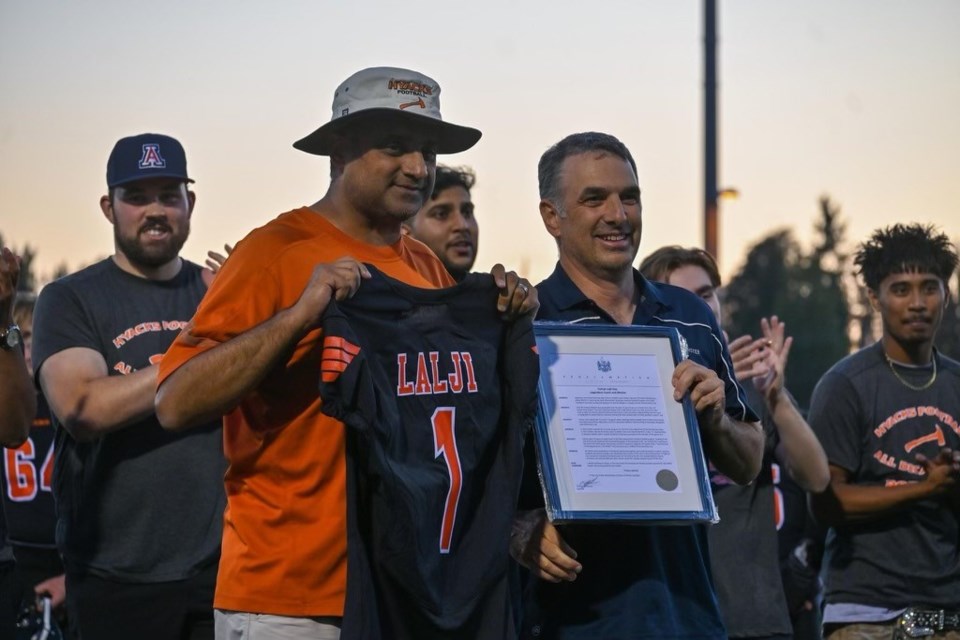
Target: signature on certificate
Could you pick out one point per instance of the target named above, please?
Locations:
(584, 484)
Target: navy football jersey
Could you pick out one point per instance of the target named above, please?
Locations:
(437, 392)
(27, 485)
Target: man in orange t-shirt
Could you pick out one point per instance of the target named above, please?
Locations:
(251, 352)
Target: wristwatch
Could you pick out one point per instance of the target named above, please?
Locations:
(10, 338)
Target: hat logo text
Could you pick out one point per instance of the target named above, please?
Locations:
(151, 158)
(410, 87)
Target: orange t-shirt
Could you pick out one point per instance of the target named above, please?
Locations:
(284, 537)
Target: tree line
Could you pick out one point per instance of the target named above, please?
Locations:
(817, 294)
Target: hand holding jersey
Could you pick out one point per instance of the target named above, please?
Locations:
(250, 357)
(341, 280)
(517, 296)
(331, 281)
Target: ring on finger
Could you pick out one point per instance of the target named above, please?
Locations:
(524, 288)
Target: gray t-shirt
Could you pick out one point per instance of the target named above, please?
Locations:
(872, 424)
(744, 553)
(139, 504)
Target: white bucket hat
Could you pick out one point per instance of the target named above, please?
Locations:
(383, 90)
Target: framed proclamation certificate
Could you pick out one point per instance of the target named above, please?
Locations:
(612, 443)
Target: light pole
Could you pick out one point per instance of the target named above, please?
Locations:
(710, 211)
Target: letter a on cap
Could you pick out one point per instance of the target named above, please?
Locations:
(151, 158)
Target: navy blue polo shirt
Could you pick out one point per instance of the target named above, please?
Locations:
(637, 581)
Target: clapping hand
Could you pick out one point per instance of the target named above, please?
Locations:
(214, 262)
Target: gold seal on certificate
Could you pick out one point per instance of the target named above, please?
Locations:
(612, 443)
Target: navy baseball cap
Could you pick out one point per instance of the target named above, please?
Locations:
(148, 155)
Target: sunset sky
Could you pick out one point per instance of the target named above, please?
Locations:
(855, 99)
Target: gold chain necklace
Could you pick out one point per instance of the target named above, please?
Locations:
(925, 385)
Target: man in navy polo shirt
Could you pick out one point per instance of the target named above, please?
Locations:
(611, 581)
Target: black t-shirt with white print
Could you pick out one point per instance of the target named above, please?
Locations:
(873, 425)
(139, 504)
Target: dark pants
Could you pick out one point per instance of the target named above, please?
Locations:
(103, 609)
(34, 565)
(8, 600)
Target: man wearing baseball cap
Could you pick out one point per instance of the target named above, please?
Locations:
(140, 509)
(251, 353)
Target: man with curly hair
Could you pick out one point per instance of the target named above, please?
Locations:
(887, 417)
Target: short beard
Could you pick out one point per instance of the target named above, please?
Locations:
(458, 273)
(140, 256)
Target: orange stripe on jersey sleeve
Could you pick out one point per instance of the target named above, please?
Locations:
(334, 365)
(341, 343)
(332, 354)
(337, 356)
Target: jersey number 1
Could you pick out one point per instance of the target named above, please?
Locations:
(445, 444)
